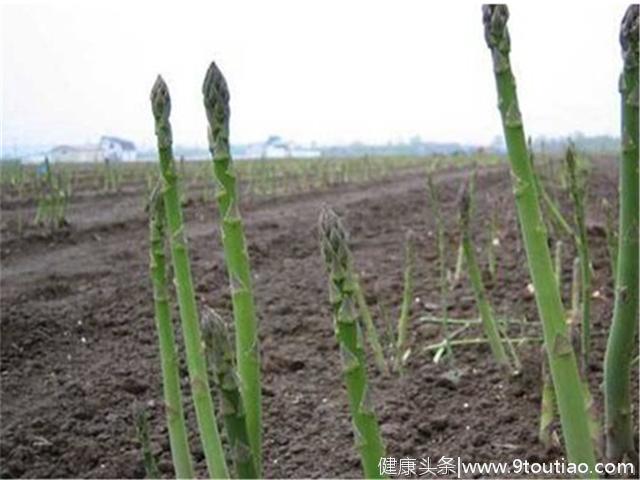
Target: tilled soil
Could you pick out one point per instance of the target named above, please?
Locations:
(79, 348)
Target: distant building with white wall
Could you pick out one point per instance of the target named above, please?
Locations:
(76, 153)
(109, 148)
(276, 147)
(117, 149)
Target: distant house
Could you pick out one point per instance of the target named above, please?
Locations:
(76, 153)
(109, 148)
(275, 147)
(117, 149)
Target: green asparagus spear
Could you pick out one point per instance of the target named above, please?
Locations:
(488, 321)
(221, 361)
(336, 254)
(562, 360)
(622, 335)
(216, 103)
(442, 261)
(582, 245)
(142, 431)
(370, 328)
(196, 362)
(169, 358)
(407, 297)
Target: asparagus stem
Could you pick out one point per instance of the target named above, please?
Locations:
(169, 359)
(457, 273)
(407, 297)
(442, 262)
(574, 313)
(558, 263)
(486, 314)
(546, 435)
(216, 103)
(576, 339)
(551, 205)
(562, 361)
(336, 254)
(494, 241)
(372, 332)
(460, 258)
(142, 430)
(196, 363)
(582, 245)
(479, 341)
(618, 407)
(517, 364)
(221, 360)
(611, 237)
(466, 321)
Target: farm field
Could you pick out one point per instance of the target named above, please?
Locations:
(79, 350)
(372, 269)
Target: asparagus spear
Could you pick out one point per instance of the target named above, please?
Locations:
(460, 258)
(557, 263)
(442, 261)
(488, 321)
(221, 360)
(577, 194)
(556, 216)
(370, 328)
(142, 431)
(562, 360)
(407, 296)
(168, 356)
(196, 363)
(336, 254)
(621, 343)
(216, 103)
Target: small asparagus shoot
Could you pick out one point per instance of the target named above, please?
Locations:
(221, 360)
(488, 321)
(402, 351)
(558, 262)
(556, 216)
(578, 195)
(142, 430)
(442, 263)
(372, 332)
(460, 258)
(337, 257)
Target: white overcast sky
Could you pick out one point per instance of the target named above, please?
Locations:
(329, 71)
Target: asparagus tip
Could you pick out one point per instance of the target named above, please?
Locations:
(213, 326)
(215, 90)
(570, 157)
(494, 17)
(160, 99)
(629, 35)
(216, 105)
(333, 236)
(465, 206)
